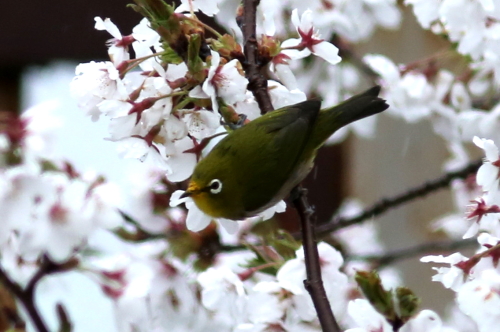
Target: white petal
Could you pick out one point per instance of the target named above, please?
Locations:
(176, 199)
(306, 21)
(327, 51)
(182, 163)
(486, 176)
(196, 220)
(230, 226)
(295, 18)
(491, 150)
(108, 26)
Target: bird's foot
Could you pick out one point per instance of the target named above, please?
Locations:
(239, 123)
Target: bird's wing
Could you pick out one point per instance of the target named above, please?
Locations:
(285, 133)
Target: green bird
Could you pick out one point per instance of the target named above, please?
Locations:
(257, 165)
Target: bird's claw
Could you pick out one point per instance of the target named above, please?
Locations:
(239, 123)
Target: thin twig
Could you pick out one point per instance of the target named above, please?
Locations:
(27, 300)
(253, 62)
(388, 203)
(313, 283)
(400, 254)
(258, 85)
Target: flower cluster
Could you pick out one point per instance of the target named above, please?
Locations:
(170, 90)
(48, 208)
(165, 105)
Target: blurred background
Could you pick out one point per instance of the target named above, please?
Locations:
(43, 41)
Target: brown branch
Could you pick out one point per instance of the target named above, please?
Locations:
(253, 62)
(385, 204)
(27, 295)
(401, 254)
(253, 65)
(26, 298)
(313, 283)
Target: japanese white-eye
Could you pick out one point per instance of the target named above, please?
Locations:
(256, 166)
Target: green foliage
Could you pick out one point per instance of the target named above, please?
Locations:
(277, 247)
(227, 47)
(165, 22)
(396, 312)
(371, 286)
(169, 55)
(408, 303)
(194, 63)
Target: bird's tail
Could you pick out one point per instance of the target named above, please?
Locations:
(355, 108)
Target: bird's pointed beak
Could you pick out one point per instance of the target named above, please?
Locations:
(191, 191)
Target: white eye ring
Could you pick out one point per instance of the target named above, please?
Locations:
(215, 186)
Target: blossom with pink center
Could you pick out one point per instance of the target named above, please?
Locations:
(452, 277)
(95, 82)
(484, 216)
(310, 41)
(224, 81)
(118, 45)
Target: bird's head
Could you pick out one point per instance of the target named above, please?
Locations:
(211, 195)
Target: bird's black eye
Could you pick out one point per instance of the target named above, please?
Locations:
(215, 186)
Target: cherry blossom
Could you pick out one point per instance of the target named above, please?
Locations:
(222, 290)
(366, 317)
(222, 81)
(95, 82)
(452, 277)
(309, 42)
(208, 7)
(292, 274)
(118, 46)
(479, 298)
(487, 175)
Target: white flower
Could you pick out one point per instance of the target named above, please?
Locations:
(480, 300)
(145, 41)
(264, 303)
(409, 93)
(248, 107)
(426, 11)
(39, 132)
(292, 274)
(426, 321)
(59, 214)
(487, 215)
(460, 98)
(222, 290)
(95, 82)
(451, 277)
(201, 123)
(309, 42)
(487, 175)
(181, 163)
(118, 46)
(222, 81)
(281, 96)
(208, 7)
(366, 317)
(197, 220)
